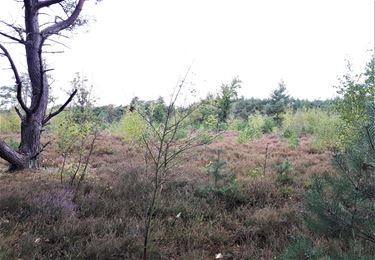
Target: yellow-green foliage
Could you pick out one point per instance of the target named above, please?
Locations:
(70, 128)
(353, 110)
(65, 130)
(9, 122)
(210, 122)
(253, 130)
(321, 124)
(131, 127)
(236, 124)
(294, 123)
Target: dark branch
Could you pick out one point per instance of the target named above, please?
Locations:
(11, 156)
(59, 26)
(50, 116)
(18, 79)
(59, 43)
(18, 29)
(47, 3)
(40, 151)
(12, 38)
(18, 112)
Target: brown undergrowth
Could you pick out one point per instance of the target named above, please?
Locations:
(41, 218)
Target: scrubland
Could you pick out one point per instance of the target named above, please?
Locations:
(218, 179)
(256, 219)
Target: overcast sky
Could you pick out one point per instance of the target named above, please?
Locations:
(141, 48)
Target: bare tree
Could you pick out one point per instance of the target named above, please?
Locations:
(34, 35)
(164, 149)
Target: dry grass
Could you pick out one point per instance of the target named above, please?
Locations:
(106, 218)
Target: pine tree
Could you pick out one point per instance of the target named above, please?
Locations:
(343, 206)
(278, 103)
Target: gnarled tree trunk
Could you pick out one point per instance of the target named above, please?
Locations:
(33, 117)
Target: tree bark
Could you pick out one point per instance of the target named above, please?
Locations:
(34, 116)
(32, 122)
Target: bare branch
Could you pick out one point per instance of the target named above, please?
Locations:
(12, 38)
(47, 3)
(64, 10)
(59, 43)
(57, 27)
(87, 160)
(149, 122)
(53, 52)
(40, 151)
(18, 29)
(149, 150)
(18, 112)
(50, 116)
(18, 79)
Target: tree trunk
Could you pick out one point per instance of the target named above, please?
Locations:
(34, 116)
(30, 140)
(32, 122)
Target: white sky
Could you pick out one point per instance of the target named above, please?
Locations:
(141, 48)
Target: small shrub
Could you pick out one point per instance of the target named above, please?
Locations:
(15, 205)
(322, 125)
(9, 122)
(269, 124)
(253, 130)
(55, 204)
(256, 172)
(217, 169)
(132, 127)
(211, 122)
(236, 124)
(301, 248)
(283, 171)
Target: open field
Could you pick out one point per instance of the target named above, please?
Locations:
(43, 218)
(119, 149)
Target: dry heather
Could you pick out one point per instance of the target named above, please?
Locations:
(41, 218)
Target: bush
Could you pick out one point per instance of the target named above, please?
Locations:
(76, 130)
(284, 170)
(9, 122)
(321, 124)
(132, 127)
(224, 185)
(219, 172)
(257, 125)
(269, 124)
(236, 124)
(341, 206)
(356, 92)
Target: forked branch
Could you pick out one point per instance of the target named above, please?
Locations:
(59, 26)
(12, 38)
(17, 77)
(50, 116)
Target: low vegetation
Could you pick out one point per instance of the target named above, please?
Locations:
(224, 178)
